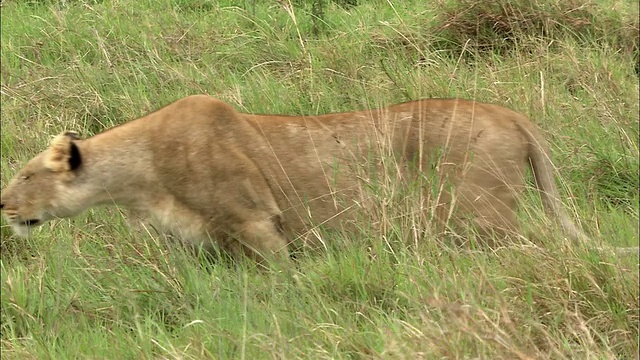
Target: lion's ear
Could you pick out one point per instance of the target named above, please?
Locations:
(63, 153)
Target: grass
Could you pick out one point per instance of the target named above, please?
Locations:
(93, 287)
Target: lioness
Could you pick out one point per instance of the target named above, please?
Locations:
(204, 171)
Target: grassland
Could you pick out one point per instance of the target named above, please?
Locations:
(93, 288)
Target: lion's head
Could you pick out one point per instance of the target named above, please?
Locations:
(39, 192)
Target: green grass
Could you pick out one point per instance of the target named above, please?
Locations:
(93, 287)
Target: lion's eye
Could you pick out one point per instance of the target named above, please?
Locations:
(26, 177)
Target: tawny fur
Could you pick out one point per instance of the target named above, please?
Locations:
(204, 171)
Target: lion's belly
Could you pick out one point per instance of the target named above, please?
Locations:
(314, 199)
(175, 219)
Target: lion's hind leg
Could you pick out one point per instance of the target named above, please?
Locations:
(489, 198)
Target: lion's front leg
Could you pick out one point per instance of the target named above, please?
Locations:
(262, 241)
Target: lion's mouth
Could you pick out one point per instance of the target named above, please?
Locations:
(30, 222)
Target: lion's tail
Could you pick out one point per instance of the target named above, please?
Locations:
(543, 170)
